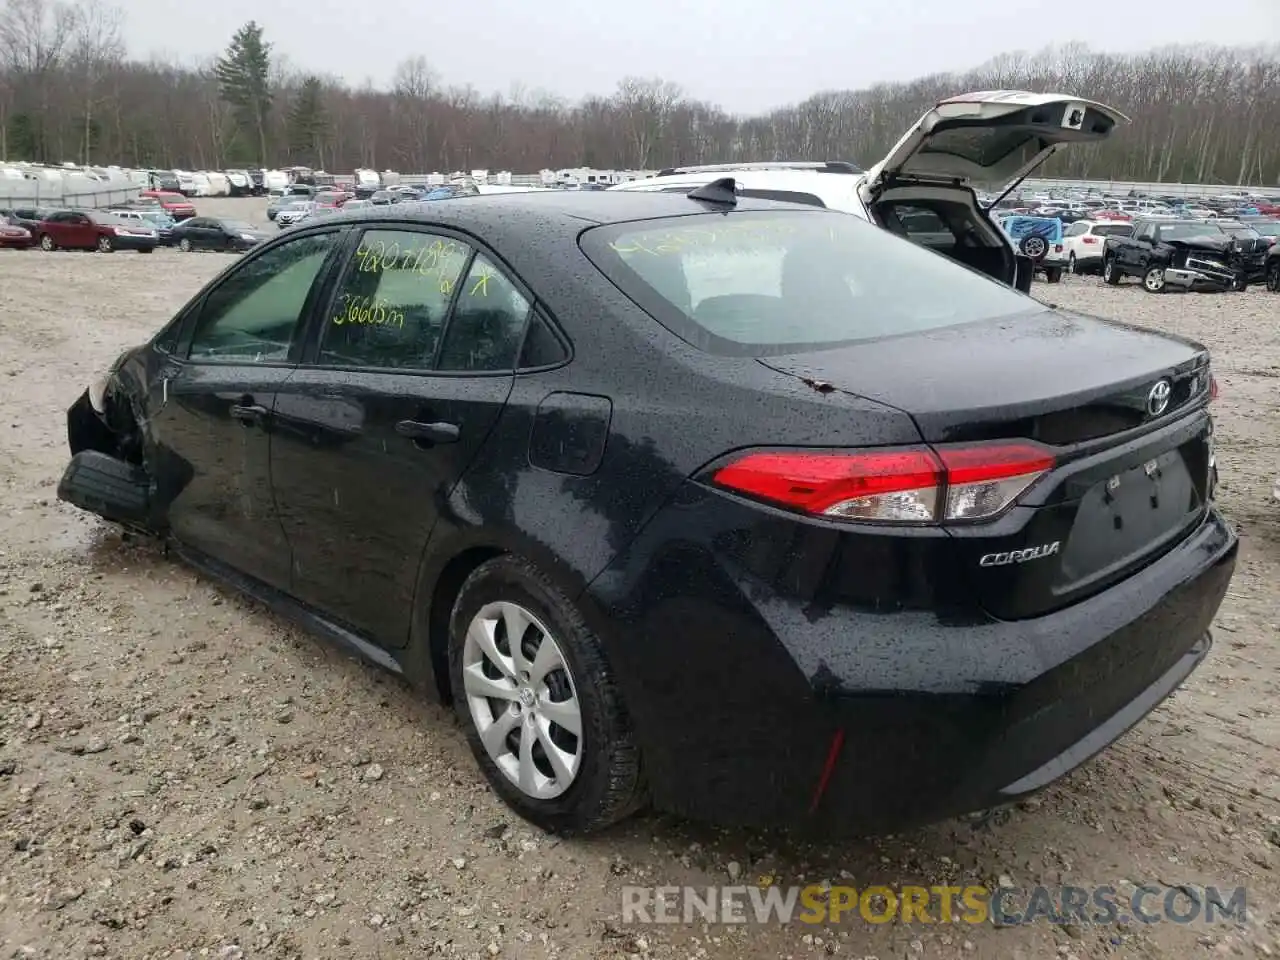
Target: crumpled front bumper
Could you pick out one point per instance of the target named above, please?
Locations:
(1198, 274)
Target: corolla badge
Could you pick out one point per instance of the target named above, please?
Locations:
(1019, 556)
(1158, 398)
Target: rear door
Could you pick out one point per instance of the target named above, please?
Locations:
(211, 429)
(408, 370)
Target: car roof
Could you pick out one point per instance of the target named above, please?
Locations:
(572, 209)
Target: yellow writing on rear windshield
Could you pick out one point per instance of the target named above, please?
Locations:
(745, 232)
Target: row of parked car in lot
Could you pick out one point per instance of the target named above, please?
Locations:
(1229, 238)
(1199, 254)
(141, 225)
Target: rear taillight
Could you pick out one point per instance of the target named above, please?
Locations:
(914, 485)
(1089, 240)
(1213, 387)
(1057, 248)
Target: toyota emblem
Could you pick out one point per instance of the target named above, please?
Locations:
(1158, 398)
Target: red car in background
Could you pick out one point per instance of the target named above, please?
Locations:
(94, 230)
(15, 236)
(331, 200)
(174, 204)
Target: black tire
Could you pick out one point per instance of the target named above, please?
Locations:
(47, 244)
(1153, 280)
(1072, 267)
(1273, 277)
(1111, 272)
(185, 245)
(608, 785)
(105, 245)
(1053, 274)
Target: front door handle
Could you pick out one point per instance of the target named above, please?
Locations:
(248, 412)
(438, 432)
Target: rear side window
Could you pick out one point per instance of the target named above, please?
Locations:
(1113, 229)
(760, 283)
(487, 322)
(542, 348)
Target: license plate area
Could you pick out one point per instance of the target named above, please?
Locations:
(1128, 515)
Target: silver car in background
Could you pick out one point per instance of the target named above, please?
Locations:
(294, 213)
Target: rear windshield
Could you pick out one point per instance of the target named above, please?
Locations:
(760, 283)
(1113, 229)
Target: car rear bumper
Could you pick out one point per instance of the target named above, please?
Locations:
(754, 705)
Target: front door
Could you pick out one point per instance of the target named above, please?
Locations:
(213, 427)
(71, 230)
(409, 371)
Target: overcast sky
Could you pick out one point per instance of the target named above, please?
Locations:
(746, 55)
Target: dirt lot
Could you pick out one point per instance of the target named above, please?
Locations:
(184, 775)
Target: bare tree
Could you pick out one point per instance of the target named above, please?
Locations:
(95, 51)
(1199, 114)
(645, 105)
(34, 35)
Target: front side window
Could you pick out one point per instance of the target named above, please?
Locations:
(760, 283)
(391, 307)
(253, 313)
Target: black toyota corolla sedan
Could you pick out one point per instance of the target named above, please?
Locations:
(751, 511)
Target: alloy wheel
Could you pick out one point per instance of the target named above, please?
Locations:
(185, 245)
(522, 698)
(1154, 280)
(1035, 247)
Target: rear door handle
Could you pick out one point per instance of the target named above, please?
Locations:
(248, 412)
(438, 432)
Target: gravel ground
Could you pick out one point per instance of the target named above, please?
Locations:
(184, 775)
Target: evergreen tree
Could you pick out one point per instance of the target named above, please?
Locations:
(307, 124)
(242, 74)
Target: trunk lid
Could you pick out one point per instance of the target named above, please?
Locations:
(990, 138)
(1123, 409)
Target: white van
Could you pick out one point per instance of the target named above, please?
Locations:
(219, 185)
